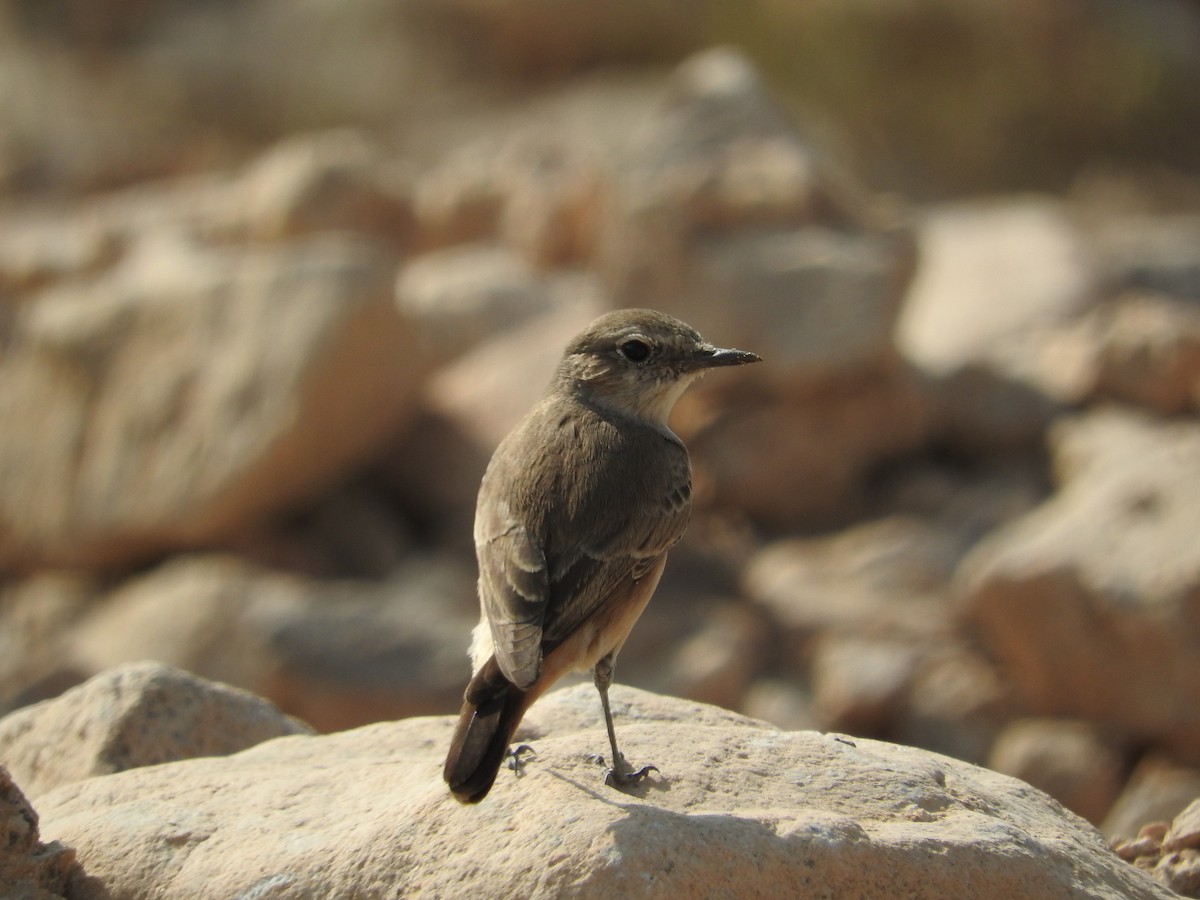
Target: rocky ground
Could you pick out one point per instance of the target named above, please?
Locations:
(245, 406)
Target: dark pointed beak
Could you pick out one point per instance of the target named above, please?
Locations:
(709, 357)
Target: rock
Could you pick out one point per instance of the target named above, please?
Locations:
(785, 704)
(336, 654)
(139, 714)
(29, 869)
(1157, 791)
(956, 704)
(487, 391)
(799, 462)
(858, 682)
(537, 192)
(738, 808)
(1149, 353)
(884, 579)
(987, 319)
(36, 613)
(274, 371)
(729, 218)
(990, 274)
(1156, 254)
(1071, 761)
(1169, 852)
(335, 181)
(1087, 602)
(461, 295)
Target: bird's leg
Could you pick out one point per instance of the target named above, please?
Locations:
(620, 774)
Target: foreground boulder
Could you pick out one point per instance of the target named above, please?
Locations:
(738, 809)
(134, 715)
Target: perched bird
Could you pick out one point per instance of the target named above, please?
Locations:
(577, 510)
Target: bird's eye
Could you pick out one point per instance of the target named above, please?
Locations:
(635, 350)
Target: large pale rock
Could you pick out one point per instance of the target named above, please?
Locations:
(29, 868)
(134, 715)
(189, 390)
(987, 319)
(1089, 603)
(738, 808)
(334, 654)
(728, 217)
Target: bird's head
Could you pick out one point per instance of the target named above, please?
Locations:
(639, 362)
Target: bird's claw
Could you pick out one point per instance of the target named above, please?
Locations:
(621, 775)
(515, 762)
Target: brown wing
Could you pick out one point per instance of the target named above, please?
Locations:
(556, 544)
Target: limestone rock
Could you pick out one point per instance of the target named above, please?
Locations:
(737, 808)
(1088, 602)
(135, 715)
(188, 390)
(29, 869)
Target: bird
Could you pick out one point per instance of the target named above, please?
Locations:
(575, 514)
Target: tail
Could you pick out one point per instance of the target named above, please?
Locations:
(492, 709)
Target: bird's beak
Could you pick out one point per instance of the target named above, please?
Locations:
(709, 357)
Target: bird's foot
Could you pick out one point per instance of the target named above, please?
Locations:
(622, 775)
(514, 758)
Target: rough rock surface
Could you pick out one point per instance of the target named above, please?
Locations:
(1169, 851)
(738, 809)
(1089, 603)
(29, 869)
(135, 715)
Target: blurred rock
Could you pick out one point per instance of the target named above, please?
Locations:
(884, 579)
(989, 320)
(799, 461)
(465, 294)
(189, 390)
(956, 704)
(691, 647)
(727, 217)
(29, 869)
(990, 274)
(785, 704)
(738, 808)
(353, 531)
(139, 714)
(1072, 761)
(334, 654)
(487, 391)
(336, 181)
(1149, 353)
(36, 614)
(1157, 791)
(1088, 602)
(858, 682)
(1156, 254)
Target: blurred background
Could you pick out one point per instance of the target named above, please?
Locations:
(277, 275)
